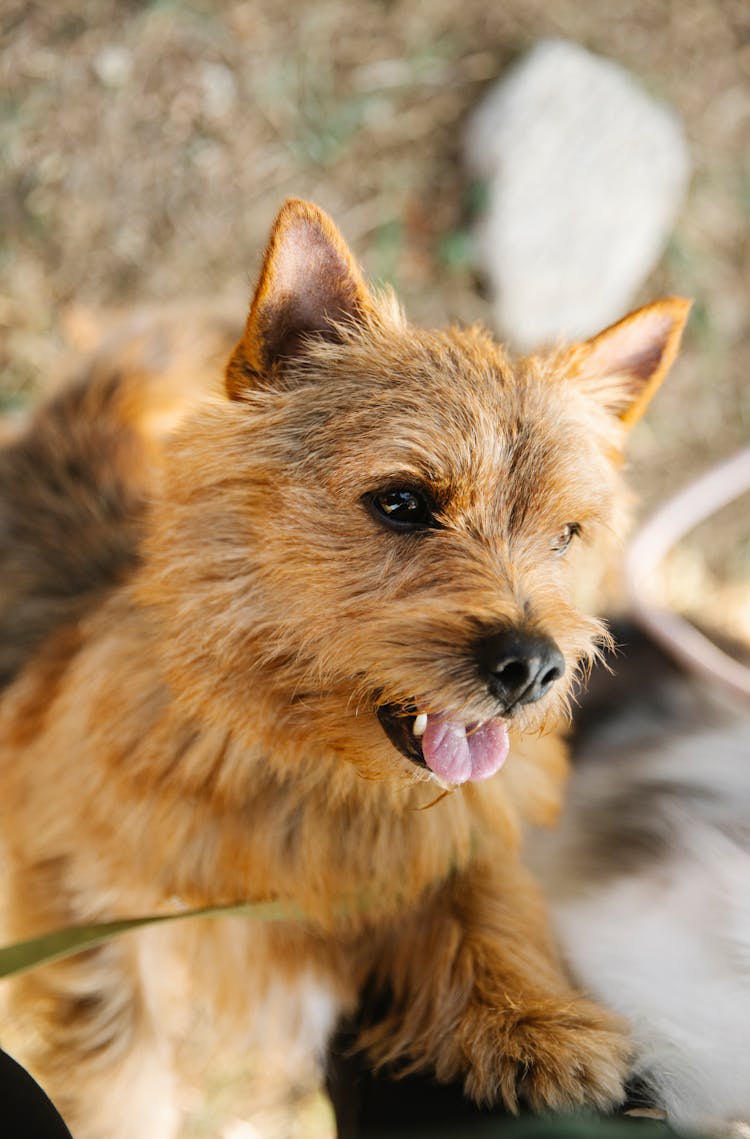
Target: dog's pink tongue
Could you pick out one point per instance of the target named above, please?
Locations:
(456, 756)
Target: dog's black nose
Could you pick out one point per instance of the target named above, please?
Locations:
(519, 667)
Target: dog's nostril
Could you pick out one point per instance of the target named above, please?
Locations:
(514, 674)
(519, 667)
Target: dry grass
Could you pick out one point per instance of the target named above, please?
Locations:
(147, 146)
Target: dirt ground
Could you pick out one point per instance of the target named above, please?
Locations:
(146, 146)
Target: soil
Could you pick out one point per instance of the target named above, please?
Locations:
(147, 146)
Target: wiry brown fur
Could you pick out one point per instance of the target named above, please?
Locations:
(200, 725)
(74, 482)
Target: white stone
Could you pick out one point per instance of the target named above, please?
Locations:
(586, 174)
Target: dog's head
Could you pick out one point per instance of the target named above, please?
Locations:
(378, 533)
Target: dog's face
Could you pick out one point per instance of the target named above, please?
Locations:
(386, 532)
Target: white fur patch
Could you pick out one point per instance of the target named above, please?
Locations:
(295, 1019)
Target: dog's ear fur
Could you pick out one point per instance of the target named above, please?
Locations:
(309, 281)
(625, 364)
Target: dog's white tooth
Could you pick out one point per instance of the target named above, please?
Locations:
(420, 724)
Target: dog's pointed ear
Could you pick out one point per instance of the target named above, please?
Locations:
(309, 282)
(625, 364)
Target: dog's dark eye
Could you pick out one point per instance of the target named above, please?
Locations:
(565, 537)
(403, 508)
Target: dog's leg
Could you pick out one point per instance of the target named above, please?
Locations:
(95, 1047)
(475, 991)
(95, 1051)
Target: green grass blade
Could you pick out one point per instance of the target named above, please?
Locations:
(60, 943)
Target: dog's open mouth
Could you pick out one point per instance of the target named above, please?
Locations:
(455, 751)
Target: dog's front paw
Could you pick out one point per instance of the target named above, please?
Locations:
(551, 1056)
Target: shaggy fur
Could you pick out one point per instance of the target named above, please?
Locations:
(196, 722)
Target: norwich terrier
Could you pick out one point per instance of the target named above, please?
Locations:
(242, 662)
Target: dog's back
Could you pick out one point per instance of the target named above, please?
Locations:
(71, 500)
(75, 480)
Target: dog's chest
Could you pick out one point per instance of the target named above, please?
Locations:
(260, 985)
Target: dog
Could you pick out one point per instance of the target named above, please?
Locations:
(647, 874)
(282, 653)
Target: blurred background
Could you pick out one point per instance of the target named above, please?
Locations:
(146, 147)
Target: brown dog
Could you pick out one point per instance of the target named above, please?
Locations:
(241, 668)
